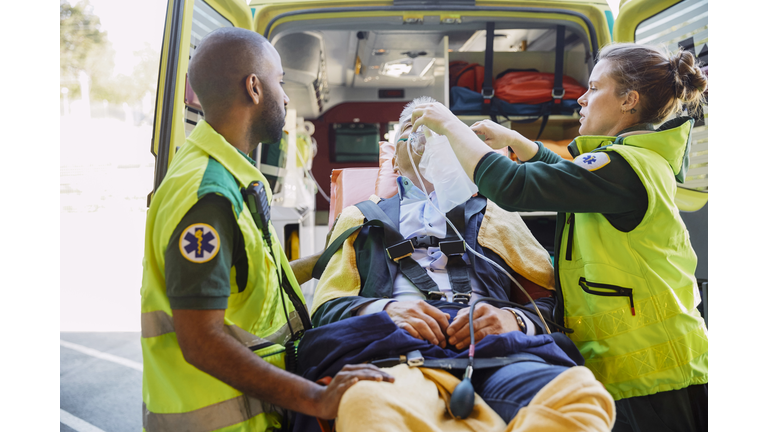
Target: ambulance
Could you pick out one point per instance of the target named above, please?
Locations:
(351, 66)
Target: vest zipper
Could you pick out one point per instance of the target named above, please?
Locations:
(569, 246)
(613, 291)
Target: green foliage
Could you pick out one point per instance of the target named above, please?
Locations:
(85, 47)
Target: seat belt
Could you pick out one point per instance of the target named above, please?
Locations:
(487, 90)
(415, 359)
(557, 89)
(458, 270)
(399, 250)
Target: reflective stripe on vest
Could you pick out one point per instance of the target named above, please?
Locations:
(618, 321)
(609, 370)
(158, 323)
(210, 418)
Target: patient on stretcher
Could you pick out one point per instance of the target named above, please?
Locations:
(402, 280)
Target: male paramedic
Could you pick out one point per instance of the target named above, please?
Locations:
(423, 285)
(219, 301)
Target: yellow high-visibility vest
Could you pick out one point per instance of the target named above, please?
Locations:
(631, 297)
(178, 396)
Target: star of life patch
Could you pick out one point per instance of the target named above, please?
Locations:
(199, 243)
(592, 161)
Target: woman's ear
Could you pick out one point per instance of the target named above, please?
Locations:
(254, 88)
(631, 102)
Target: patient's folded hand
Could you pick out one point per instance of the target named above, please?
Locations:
(488, 320)
(420, 319)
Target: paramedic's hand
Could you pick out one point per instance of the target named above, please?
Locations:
(488, 320)
(420, 319)
(350, 374)
(498, 137)
(437, 117)
(469, 149)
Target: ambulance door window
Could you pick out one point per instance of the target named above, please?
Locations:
(685, 25)
(204, 20)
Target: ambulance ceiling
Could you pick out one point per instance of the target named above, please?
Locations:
(343, 59)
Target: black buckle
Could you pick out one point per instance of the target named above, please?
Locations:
(424, 241)
(487, 96)
(435, 295)
(558, 93)
(461, 298)
(451, 248)
(401, 250)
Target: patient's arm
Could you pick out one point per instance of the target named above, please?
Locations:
(302, 267)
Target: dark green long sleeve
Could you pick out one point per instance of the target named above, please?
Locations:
(549, 183)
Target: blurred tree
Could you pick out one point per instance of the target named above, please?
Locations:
(85, 47)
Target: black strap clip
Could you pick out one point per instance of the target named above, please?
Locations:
(557, 94)
(435, 295)
(424, 241)
(488, 95)
(401, 250)
(462, 298)
(453, 248)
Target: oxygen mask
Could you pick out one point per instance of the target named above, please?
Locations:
(417, 141)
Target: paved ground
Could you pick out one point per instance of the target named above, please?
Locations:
(100, 382)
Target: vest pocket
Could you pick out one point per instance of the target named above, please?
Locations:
(608, 291)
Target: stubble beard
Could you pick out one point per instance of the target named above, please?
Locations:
(274, 118)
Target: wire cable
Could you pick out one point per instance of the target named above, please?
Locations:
(497, 266)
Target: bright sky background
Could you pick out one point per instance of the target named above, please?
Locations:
(129, 26)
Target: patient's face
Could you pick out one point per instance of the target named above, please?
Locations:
(402, 162)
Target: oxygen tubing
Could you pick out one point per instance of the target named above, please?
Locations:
(428, 134)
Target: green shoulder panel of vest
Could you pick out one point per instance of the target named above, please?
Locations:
(220, 181)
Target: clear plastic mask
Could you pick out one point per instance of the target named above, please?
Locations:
(417, 141)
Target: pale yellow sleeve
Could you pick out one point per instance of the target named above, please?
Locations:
(506, 234)
(340, 278)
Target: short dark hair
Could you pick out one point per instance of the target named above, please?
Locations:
(221, 61)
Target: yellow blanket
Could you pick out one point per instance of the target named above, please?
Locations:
(419, 399)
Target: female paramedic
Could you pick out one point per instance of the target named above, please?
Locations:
(623, 259)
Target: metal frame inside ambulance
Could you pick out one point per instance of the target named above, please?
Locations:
(587, 21)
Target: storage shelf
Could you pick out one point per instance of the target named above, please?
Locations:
(469, 119)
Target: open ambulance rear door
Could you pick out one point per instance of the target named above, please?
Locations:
(177, 109)
(679, 24)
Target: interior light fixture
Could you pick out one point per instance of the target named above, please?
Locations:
(396, 68)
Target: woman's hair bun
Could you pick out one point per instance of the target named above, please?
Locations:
(690, 81)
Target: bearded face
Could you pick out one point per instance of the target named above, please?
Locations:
(272, 120)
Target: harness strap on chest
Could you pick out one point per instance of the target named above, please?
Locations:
(451, 246)
(458, 270)
(400, 250)
(393, 239)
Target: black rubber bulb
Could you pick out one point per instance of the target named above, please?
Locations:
(463, 399)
